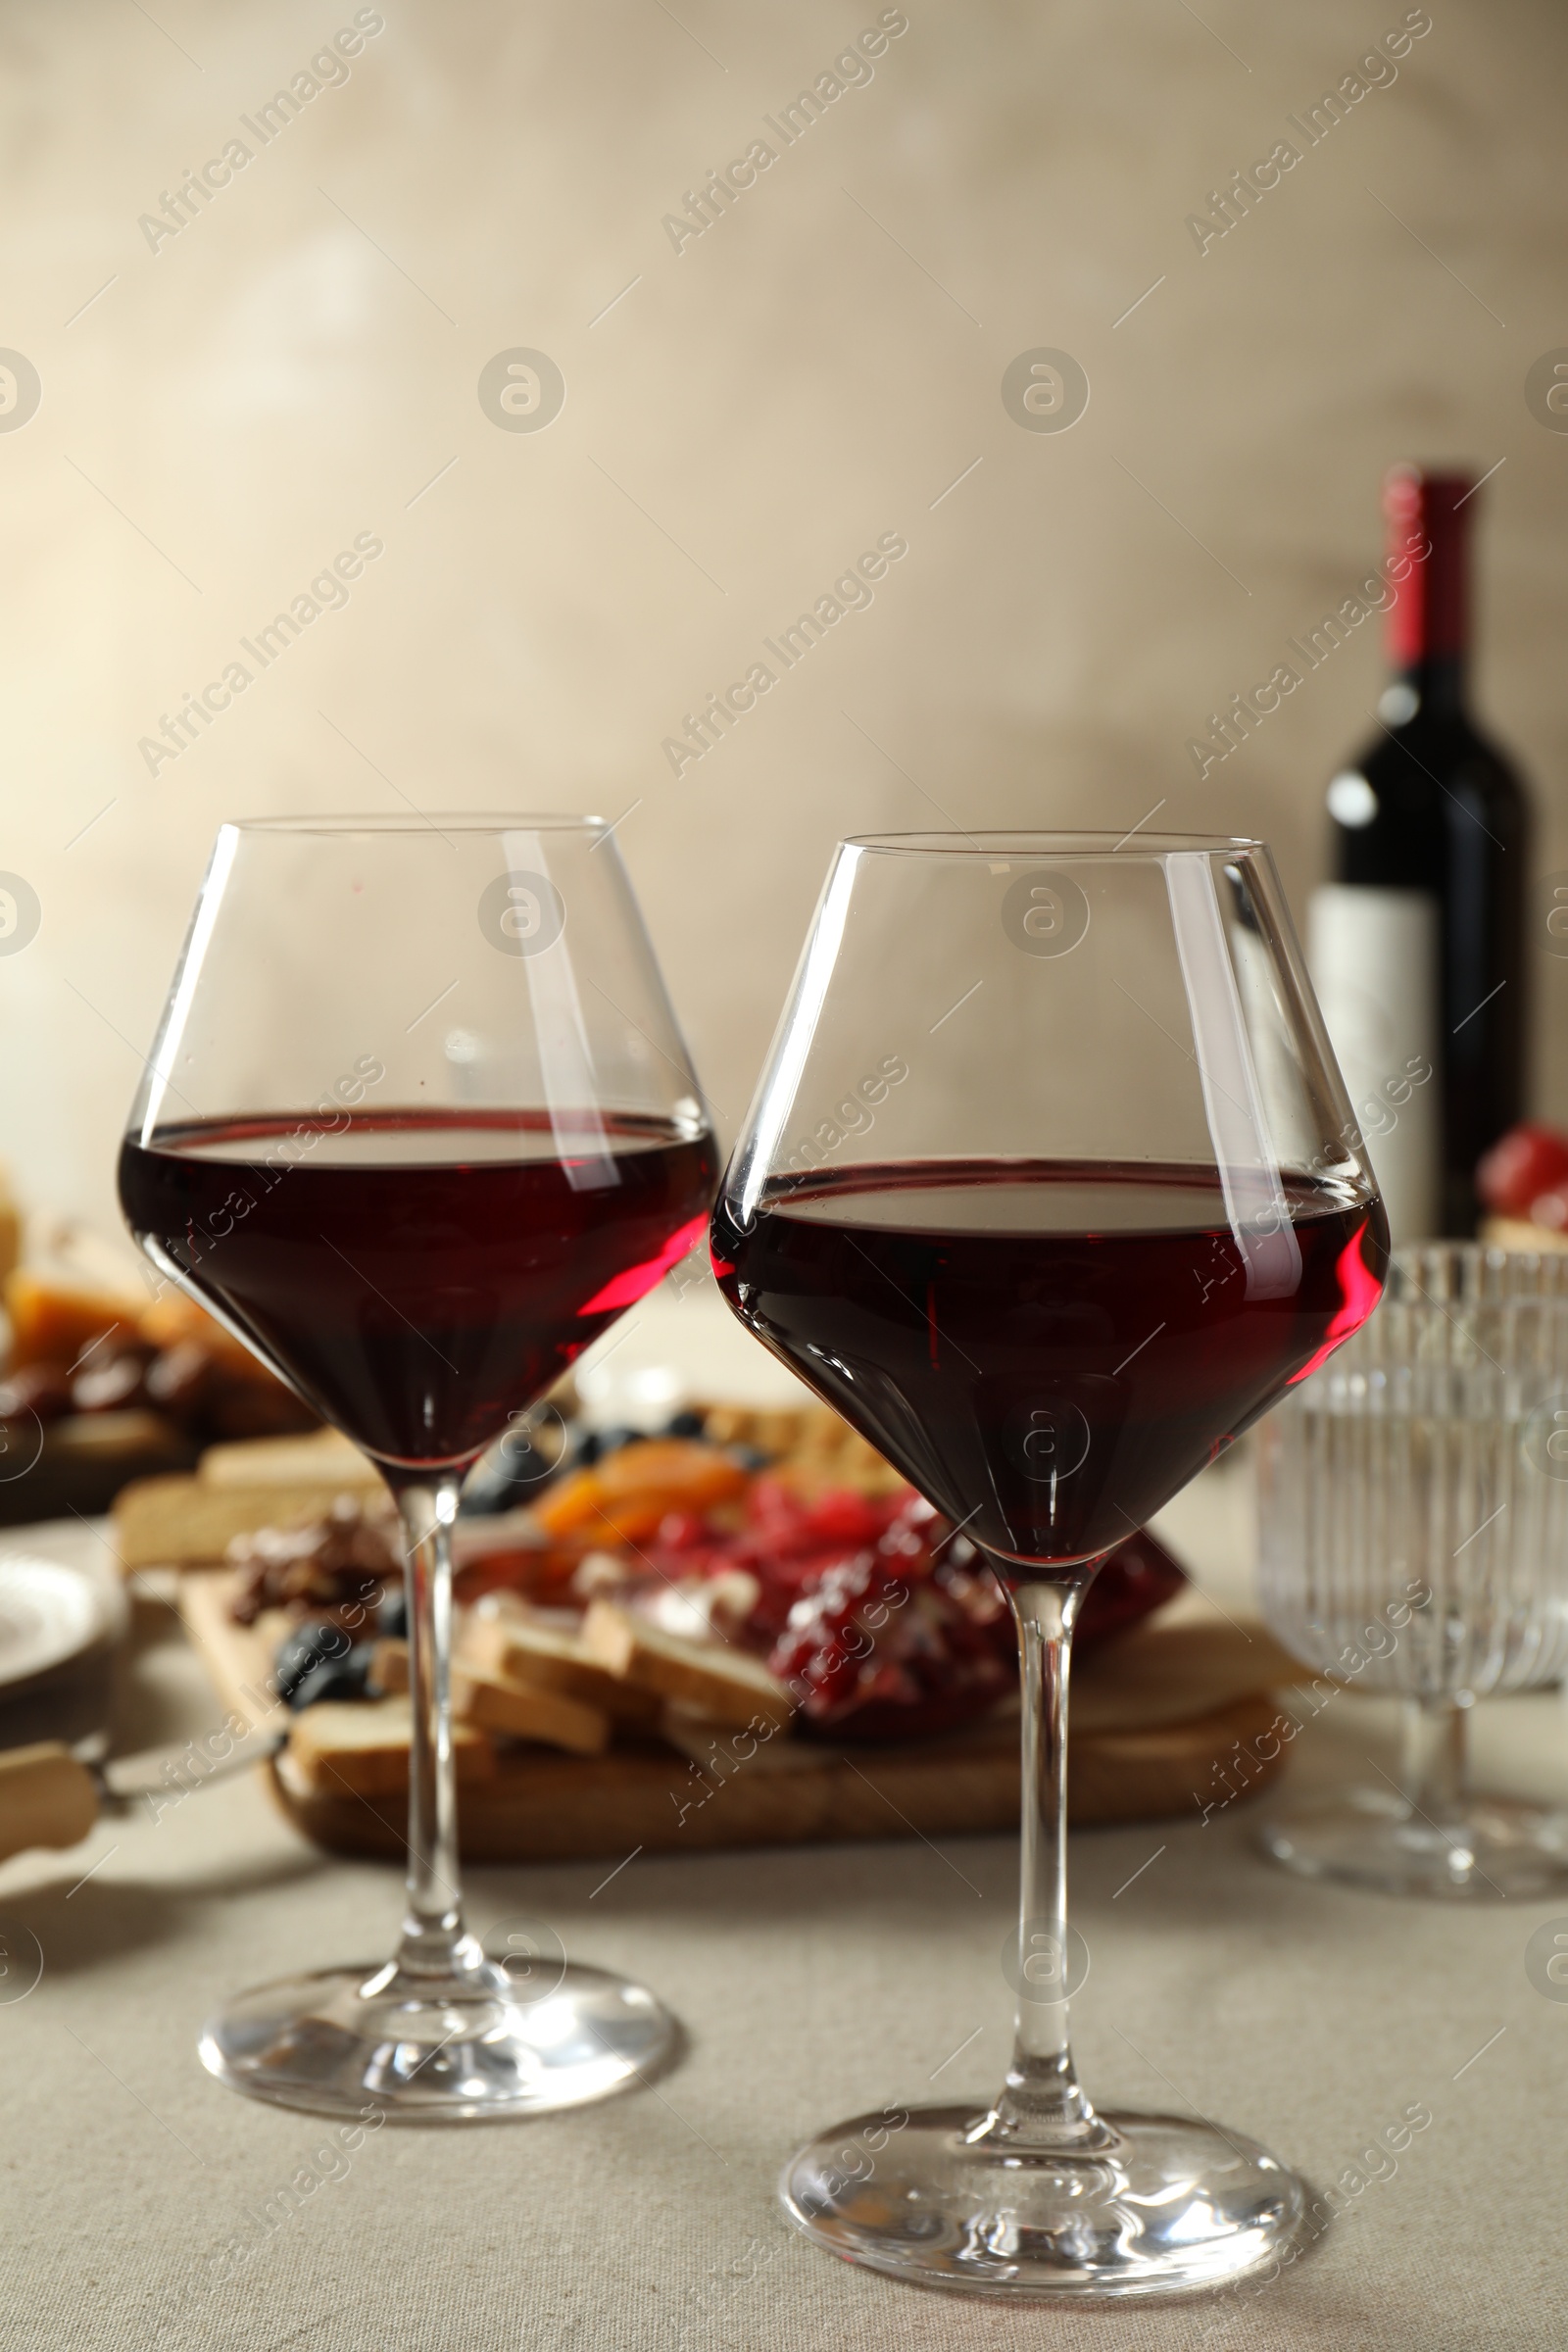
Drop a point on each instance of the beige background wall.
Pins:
(303, 358)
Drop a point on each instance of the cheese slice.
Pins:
(725, 1684)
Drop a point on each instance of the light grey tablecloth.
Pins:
(814, 1984)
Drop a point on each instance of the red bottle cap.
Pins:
(1428, 517)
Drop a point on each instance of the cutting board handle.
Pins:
(46, 1797)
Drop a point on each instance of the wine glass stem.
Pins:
(433, 1941)
(1435, 1761)
(1043, 2105)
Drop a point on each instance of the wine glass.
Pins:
(1049, 1187)
(417, 1126)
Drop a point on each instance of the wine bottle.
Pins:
(1417, 942)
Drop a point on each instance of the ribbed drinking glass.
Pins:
(1414, 1525)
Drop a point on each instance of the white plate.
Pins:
(49, 1614)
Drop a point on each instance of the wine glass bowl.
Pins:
(417, 1126)
(1051, 1187)
(1089, 1336)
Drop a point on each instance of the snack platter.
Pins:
(527, 1803)
(596, 1730)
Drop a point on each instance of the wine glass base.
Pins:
(1168, 2205)
(1372, 1838)
(364, 2043)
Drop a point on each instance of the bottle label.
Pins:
(1374, 960)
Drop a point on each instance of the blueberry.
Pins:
(497, 1484)
(392, 1619)
(516, 1470)
(485, 1490)
(335, 1678)
(317, 1642)
(595, 1443)
(685, 1425)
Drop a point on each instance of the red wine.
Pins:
(1418, 941)
(1048, 1351)
(419, 1276)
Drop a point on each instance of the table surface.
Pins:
(813, 1984)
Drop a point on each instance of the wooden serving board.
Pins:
(1157, 1719)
